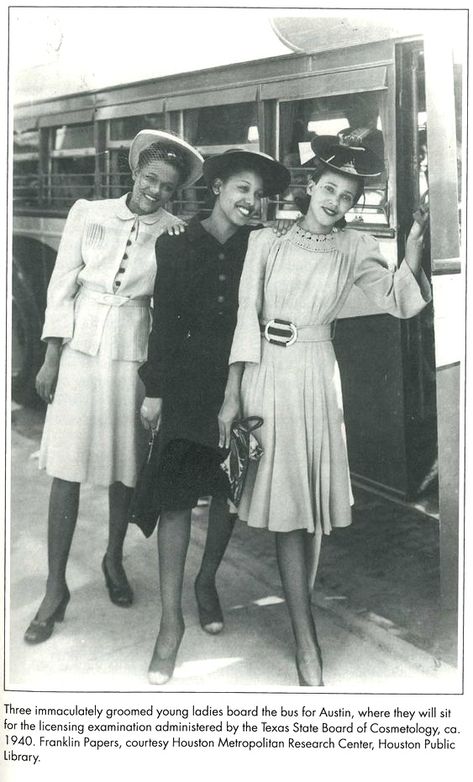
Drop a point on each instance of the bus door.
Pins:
(368, 344)
(417, 333)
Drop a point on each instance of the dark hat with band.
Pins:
(347, 158)
(276, 177)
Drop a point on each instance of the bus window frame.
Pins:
(379, 77)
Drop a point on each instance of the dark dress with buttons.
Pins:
(195, 310)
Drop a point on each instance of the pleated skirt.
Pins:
(93, 433)
(302, 480)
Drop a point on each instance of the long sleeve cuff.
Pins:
(246, 346)
(59, 321)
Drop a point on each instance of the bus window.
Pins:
(26, 167)
(72, 165)
(126, 128)
(120, 133)
(357, 118)
(213, 129)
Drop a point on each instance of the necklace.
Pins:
(316, 242)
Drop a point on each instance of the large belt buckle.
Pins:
(281, 329)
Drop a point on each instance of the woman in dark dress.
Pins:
(195, 306)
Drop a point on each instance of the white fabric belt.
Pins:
(113, 299)
(284, 333)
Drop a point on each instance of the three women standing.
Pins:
(96, 328)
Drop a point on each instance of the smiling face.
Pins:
(239, 196)
(154, 184)
(330, 199)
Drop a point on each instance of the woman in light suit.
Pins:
(96, 328)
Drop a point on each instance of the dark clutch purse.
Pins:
(144, 506)
(244, 448)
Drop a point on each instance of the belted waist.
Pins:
(284, 333)
(113, 299)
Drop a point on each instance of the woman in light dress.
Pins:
(96, 327)
(283, 368)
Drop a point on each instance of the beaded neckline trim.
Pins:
(321, 243)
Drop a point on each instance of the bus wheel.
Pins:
(26, 354)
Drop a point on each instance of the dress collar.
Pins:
(124, 213)
(195, 231)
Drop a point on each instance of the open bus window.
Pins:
(356, 117)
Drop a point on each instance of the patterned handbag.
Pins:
(244, 448)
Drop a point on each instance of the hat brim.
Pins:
(145, 138)
(354, 161)
(276, 177)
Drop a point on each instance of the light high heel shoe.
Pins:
(40, 630)
(161, 668)
(307, 660)
(210, 616)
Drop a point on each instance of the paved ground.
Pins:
(376, 603)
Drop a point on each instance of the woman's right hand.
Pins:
(228, 413)
(46, 378)
(150, 413)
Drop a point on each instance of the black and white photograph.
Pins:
(235, 351)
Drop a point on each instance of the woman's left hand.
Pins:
(228, 413)
(280, 227)
(177, 228)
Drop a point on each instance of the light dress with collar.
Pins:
(302, 480)
(99, 304)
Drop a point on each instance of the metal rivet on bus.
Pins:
(221, 256)
(222, 277)
(221, 299)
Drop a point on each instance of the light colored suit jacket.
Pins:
(101, 238)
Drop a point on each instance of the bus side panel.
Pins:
(370, 358)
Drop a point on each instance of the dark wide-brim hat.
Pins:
(356, 160)
(172, 145)
(275, 176)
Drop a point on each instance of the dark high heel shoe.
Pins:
(160, 668)
(210, 616)
(120, 594)
(303, 682)
(40, 630)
